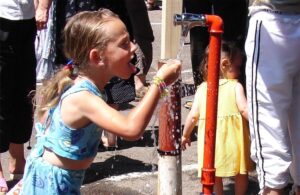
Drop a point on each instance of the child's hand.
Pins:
(185, 141)
(170, 71)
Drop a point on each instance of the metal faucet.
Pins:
(188, 21)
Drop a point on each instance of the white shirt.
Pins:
(17, 9)
(292, 6)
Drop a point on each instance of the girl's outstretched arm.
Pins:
(190, 122)
(84, 107)
(241, 100)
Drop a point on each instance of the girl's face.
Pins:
(119, 51)
(232, 69)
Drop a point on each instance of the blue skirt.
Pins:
(41, 177)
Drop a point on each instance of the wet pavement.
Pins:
(132, 168)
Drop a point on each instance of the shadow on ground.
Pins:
(116, 165)
(149, 139)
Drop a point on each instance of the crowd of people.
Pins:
(92, 56)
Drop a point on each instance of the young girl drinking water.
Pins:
(73, 107)
(232, 155)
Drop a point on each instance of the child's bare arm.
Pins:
(83, 107)
(189, 125)
(190, 122)
(131, 126)
(241, 100)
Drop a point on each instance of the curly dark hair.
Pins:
(228, 48)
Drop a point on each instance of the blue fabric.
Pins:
(43, 178)
(40, 177)
(69, 143)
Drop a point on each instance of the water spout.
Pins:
(188, 21)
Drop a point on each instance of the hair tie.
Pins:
(72, 68)
(69, 66)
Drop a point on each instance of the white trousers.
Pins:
(273, 92)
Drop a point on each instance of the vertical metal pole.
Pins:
(169, 168)
(208, 171)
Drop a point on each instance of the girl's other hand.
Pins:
(41, 14)
(184, 142)
(169, 71)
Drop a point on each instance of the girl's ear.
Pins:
(225, 63)
(95, 57)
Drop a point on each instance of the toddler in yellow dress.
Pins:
(232, 155)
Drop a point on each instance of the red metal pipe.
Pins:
(170, 122)
(215, 25)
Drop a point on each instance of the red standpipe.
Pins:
(215, 25)
(170, 121)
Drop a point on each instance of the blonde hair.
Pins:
(229, 49)
(83, 32)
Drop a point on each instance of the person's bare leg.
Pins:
(109, 139)
(298, 190)
(272, 191)
(17, 159)
(151, 1)
(241, 184)
(139, 81)
(1, 170)
(218, 188)
(2, 189)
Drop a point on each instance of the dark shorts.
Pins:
(119, 91)
(17, 80)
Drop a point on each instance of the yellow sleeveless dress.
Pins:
(232, 155)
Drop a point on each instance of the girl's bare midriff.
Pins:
(66, 163)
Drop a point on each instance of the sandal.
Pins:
(188, 104)
(152, 6)
(16, 177)
(16, 189)
(3, 186)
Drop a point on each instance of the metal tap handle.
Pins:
(190, 19)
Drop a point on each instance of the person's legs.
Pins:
(294, 125)
(241, 184)
(23, 84)
(3, 184)
(269, 97)
(151, 5)
(272, 191)
(5, 92)
(140, 81)
(17, 80)
(218, 188)
(143, 62)
(141, 87)
(143, 35)
(109, 139)
(17, 159)
(199, 36)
